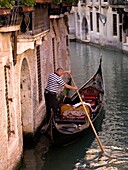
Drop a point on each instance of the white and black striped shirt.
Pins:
(54, 82)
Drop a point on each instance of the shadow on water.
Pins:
(64, 158)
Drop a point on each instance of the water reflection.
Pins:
(96, 160)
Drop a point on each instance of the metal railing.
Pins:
(11, 19)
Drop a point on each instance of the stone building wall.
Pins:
(80, 29)
(10, 151)
(21, 110)
(3, 123)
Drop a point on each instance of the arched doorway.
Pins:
(84, 29)
(78, 25)
(26, 99)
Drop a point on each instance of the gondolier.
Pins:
(73, 122)
(55, 82)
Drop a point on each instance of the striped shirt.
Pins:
(54, 83)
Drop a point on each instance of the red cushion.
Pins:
(94, 97)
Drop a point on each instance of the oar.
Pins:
(97, 137)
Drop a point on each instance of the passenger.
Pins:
(55, 82)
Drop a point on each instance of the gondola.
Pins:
(71, 122)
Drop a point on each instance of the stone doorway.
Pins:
(84, 29)
(26, 100)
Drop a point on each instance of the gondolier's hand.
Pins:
(69, 86)
(76, 88)
(67, 72)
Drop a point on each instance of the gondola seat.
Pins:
(90, 95)
(69, 114)
(68, 111)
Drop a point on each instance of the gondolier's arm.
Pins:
(71, 87)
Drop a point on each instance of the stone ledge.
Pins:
(56, 16)
(10, 28)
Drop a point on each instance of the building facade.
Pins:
(31, 47)
(100, 22)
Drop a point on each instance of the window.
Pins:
(53, 47)
(120, 18)
(120, 31)
(39, 73)
(91, 21)
(97, 20)
(114, 24)
(78, 17)
(67, 43)
(83, 1)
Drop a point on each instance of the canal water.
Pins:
(113, 128)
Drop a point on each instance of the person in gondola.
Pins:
(55, 82)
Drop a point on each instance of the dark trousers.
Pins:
(51, 102)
